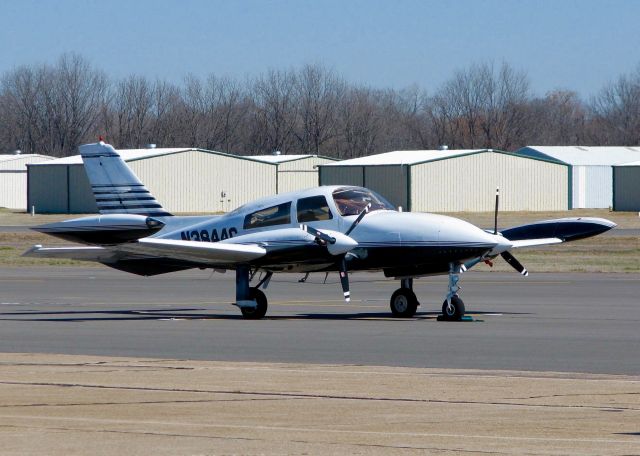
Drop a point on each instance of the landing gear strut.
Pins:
(404, 302)
(453, 307)
(251, 300)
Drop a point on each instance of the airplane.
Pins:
(323, 229)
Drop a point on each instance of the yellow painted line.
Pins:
(21, 280)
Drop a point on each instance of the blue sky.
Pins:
(579, 45)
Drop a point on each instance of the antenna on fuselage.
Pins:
(495, 215)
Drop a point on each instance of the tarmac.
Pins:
(96, 361)
(61, 405)
(546, 322)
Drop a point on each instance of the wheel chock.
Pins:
(464, 318)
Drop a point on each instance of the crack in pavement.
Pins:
(177, 401)
(214, 437)
(319, 396)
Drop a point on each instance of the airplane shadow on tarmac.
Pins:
(186, 314)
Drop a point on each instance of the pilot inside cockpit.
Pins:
(352, 201)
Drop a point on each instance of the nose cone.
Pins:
(422, 229)
(343, 243)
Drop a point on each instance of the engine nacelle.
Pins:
(107, 229)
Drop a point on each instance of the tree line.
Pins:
(52, 109)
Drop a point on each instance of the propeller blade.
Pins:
(335, 242)
(344, 279)
(319, 235)
(359, 219)
(515, 264)
(495, 215)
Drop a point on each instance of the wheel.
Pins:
(403, 303)
(261, 308)
(457, 310)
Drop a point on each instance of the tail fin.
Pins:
(116, 188)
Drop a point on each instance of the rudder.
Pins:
(117, 190)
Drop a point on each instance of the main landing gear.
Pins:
(404, 302)
(251, 300)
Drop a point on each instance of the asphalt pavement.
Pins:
(585, 323)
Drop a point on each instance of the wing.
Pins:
(197, 252)
(535, 242)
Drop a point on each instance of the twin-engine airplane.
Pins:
(322, 229)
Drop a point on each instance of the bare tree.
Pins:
(359, 122)
(274, 112)
(318, 92)
(72, 102)
(616, 110)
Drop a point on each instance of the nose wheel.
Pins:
(454, 310)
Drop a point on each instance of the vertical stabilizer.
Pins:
(116, 188)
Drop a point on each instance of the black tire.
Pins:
(403, 303)
(456, 313)
(261, 309)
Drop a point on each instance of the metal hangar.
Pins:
(457, 180)
(184, 180)
(591, 170)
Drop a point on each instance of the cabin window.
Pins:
(353, 200)
(275, 215)
(313, 209)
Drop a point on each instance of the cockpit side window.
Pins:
(353, 200)
(274, 215)
(313, 209)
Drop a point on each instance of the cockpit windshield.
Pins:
(353, 200)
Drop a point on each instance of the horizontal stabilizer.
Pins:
(98, 254)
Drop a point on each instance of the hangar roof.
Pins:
(583, 155)
(19, 161)
(407, 157)
(635, 163)
(284, 158)
(9, 157)
(137, 154)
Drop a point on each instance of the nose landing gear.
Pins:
(453, 307)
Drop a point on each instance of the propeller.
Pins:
(495, 214)
(339, 244)
(321, 237)
(515, 264)
(358, 219)
(508, 257)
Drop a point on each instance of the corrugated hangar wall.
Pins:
(48, 188)
(191, 181)
(592, 186)
(468, 184)
(388, 180)
(299, 174)
(13, 179)
(463, 183)
(342, 175)
(626, 188)
(194, 181)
